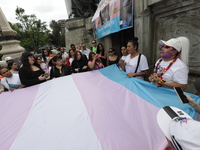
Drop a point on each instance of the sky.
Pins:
(45, 10)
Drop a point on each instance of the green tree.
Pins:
(57, 38)
(32, 32)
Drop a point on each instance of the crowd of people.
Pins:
(171, 70)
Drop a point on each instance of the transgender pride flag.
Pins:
(96, 110)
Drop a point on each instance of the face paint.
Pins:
(167, 56)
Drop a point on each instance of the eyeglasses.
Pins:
(94, 43)
(38, 59)
(110, 51)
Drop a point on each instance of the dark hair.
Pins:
(25, 61)
(10, 65)
(3, 68)
(72, 45)
(55, 58)
(44, 56)
(76, 54)
(70, 51)
(112, 49)
(38, 57)
(90, 56)
(98, 50)
(134, 41)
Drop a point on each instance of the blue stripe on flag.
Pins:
(159, 97)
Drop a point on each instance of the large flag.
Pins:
(96, 110)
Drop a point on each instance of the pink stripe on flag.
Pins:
(121, 119)
(13, 112)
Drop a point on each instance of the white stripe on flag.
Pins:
(58, 120)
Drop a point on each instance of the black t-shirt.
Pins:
(55, 72)
(30, 78)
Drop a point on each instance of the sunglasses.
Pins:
(110, 51)
(167, 47)
(38, 59)
(94, 43)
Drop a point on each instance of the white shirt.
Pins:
(64, 56)
(131, 64)
(178, 72)
(71, 60)
(12, 80)
(124, 57)
(86, 52)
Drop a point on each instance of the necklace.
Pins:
(160, 74)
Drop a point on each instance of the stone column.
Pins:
(10, 46)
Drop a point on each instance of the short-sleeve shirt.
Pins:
(131, 64)
(178, 72)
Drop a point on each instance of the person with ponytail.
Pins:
(135, 63)
(171, 69)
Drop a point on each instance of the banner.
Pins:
(112, 16)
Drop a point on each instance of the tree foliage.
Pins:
(57, 38)
(32, 32)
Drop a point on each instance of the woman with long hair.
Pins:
(136, 63)
(70, 59)
(113, 58)
(94, 62)
(171, 69)
(42, 65)
(102, 52)
(45, 56)
(31, 73)
(79, 63)
(13, 67)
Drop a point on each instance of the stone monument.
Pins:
(10, 46)
(83, 8)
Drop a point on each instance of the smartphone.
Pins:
(180, 94)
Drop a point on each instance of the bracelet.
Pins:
(160, 83)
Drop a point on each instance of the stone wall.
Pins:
(79, 31)
(164, 19)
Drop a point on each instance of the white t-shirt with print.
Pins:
(131, 64)
(178, 72)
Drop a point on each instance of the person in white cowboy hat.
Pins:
(170, 70)
(181, 131)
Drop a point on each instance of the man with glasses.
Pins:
(85, 51)
(94, 46)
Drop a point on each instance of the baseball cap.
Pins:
(181, 44)
(55, 58)
(179, 128)
(172, 42)
(8, 58)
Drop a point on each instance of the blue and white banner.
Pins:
(112, 16)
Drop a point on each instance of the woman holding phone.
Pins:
(31, 73)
